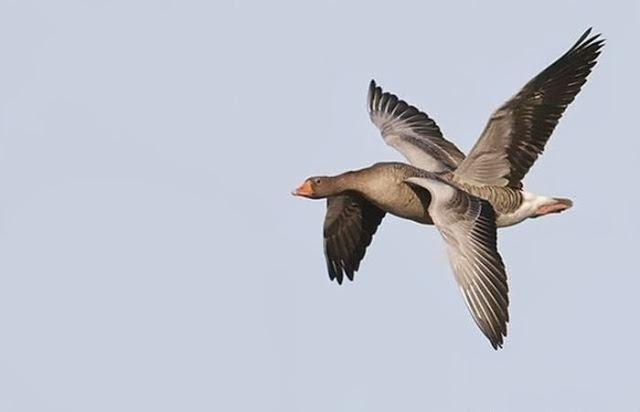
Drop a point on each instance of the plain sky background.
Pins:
(153, 259)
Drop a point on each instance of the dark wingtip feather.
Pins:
(371, 95)
(349, 274)
(334, 273)
(585, 41)
(582, 38)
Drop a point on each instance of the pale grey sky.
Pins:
(152, 258)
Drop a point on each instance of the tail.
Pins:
(568, 203)
(556, 205)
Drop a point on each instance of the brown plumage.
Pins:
(518, 131)
(349, 226)
(465, 198)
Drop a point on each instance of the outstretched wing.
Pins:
(349, 226)
(411, 132)
(517, 132)
(467, 224)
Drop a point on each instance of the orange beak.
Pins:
(304, 190)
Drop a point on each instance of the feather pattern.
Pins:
(467, 224)
(349, 226)
(411, 132)
(518, 131)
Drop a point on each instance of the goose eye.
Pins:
(316, 181)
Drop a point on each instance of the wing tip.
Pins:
(339, 276)
(497, 339)
(370, 95)
(497, 344)
(339, 270)
(373, 95)
(586, 40)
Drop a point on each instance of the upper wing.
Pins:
(518, 131)
(411, 132)
(467, 224)
(349, 226)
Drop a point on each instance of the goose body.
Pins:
(385, 185)
(466, 197)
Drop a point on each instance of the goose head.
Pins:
(317, 187)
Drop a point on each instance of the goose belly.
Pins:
(510, 219)
(401, 201)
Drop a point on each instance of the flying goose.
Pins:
(466, 198)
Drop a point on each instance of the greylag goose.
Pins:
(466, 198)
